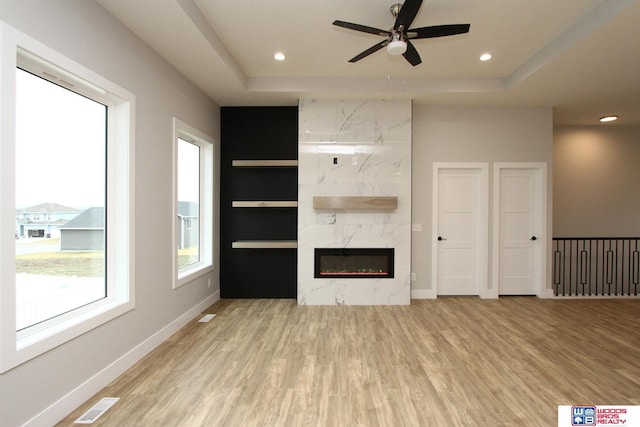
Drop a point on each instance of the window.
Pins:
(188, 203)
(193, 182)
(55, 127)
(67, 140)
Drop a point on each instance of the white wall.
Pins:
(470, 134)
(64, 377)
(596, 179)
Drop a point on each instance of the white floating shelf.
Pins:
(264, 244)
(355, 202)
(264, 163)
(264, 204)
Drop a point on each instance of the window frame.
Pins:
(18, 49)
(182, 276)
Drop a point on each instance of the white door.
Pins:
(521, 233)
(460, 228)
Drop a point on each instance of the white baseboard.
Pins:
(547, 293)
(489, 294)
(69, 402)
(423, 294)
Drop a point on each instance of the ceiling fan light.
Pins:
(397, 47)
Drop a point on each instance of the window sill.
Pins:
(191, 274)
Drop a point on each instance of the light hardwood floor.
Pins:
(445, 362)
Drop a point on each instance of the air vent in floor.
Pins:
(97, 410)
(206, 318)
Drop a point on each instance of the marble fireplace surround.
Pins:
(354, 191)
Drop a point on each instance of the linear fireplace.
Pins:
(353, 263)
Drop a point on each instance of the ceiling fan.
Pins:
(398, 39)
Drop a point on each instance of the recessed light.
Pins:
(485, 56)
(608, 119)
(279, 56)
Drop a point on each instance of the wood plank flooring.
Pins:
(445, 362)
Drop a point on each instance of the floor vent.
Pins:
(97, 410)
(206, 318)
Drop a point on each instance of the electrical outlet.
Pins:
(413, 277)
(416, 227)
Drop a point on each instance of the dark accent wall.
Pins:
(258, 133)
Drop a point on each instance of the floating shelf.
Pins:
(355, 202)
(264, 244)
(264, 204)
(264, 163)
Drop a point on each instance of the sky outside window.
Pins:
(60, 149)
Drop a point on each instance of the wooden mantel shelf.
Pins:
(355, 202)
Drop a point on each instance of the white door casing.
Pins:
(519, 248)
(460, 226)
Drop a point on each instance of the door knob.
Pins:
(440, 238)
(534, 238)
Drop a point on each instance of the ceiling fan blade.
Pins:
(438, 31)
(407, 13)
(369, 51)
(362, 28)
(411, 55)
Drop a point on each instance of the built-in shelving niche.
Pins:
(258, 202)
